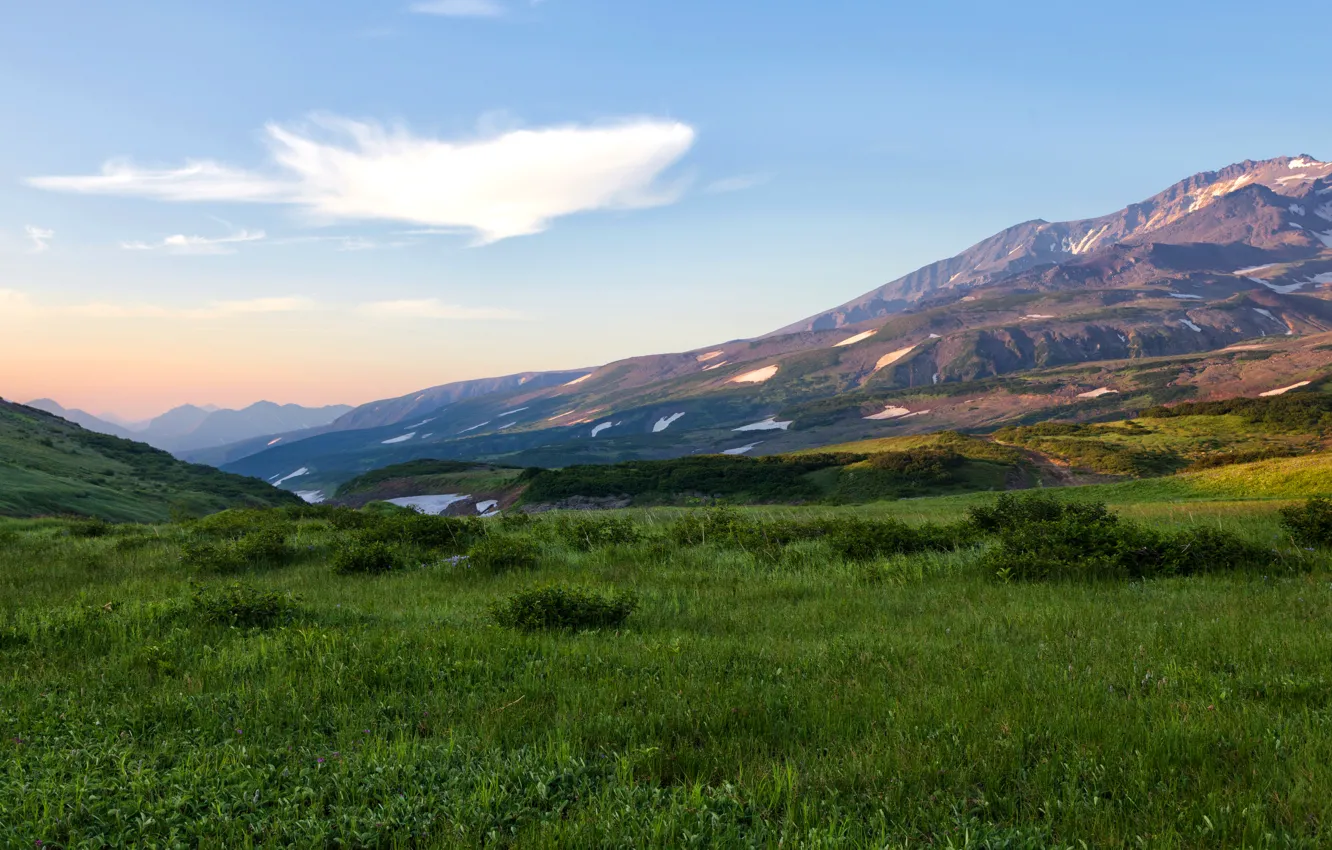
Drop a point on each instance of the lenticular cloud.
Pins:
(508, 185)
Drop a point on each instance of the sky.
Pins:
(337, 202)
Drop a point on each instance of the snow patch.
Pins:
(579, 380)
(275, 442)
(935, 336)
(311, 497)
(890, 412)
(741, 450)
(1097, 393)
(505, 425)
(860, 337)
(1324, 212)
(487, 506)
(1037, 316)
(297, 474)
(429, 505)
(419, 424)
(1260, 311)
(512, 412)
(665, 422)
(715, 366)
(1281, 288)
(404, 438)
(1284, 390)
(769, 424)
(474, 427)
(757, 376)
(1255, 269)
(602, 427)
(1301, 162)
(1325, 238)
(1297, 209)
(1190, 325)
(1183, 296)
(711, 355)
(892, 357)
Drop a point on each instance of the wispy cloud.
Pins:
(432, 308)
(738, 183)
(40, 237)
(509, 184)
(459, 8)
(17, 305)
(182, 244)
(20, 305)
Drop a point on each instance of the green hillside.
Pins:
(49, 466)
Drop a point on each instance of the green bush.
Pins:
(499, 553)
(90, 528)
(1091, 543)
(557, 608)
(266, 547)
(1309, 524)
(923, 466)
(1011, 511)
(450, 534)
(594, 532)
(243, 606)
(366, 556)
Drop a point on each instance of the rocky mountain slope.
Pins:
(1220, 285)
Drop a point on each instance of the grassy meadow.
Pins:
(336, 678)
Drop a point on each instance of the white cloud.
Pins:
(432, 308)
(459, 8)
(738, 183)
(40, 238)
(16, 304)
(182, 244)
(511, 184)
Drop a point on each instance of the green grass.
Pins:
(49, 466)
(748, 702)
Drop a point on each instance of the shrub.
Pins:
(1012, 512)
(499, 553)
(243, 606)
(93, 527)
(366, 556)
(593, 532)
(263, 548)
(563, 608)
(451, 534)
(1309, 524)
(1091, 543)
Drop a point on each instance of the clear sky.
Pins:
(341, 201)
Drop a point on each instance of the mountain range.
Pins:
(190, 427)
(1219, 285)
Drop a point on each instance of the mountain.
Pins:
(190, 428)
(1290, 215)
(81, 418)
(49, 465)
(1221, 285)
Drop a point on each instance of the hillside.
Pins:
(1220, 286)
(51, 466)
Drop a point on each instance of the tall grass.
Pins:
(752, 699)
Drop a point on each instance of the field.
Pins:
(806, 693)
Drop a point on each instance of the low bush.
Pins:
(1092, 543)
(366, 556)
(1309, 524)
(500, 553)
(266, 547)
(594, 532)
(90, 528)
(557, 608)
(1011, 511)
(243, 606)
(850, 538)
(448, 534)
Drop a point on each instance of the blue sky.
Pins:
(338, 201)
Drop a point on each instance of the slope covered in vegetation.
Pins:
(49, 466)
